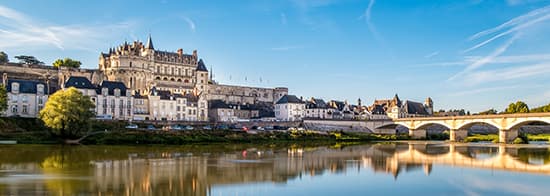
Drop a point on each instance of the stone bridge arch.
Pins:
(469, 123)
(523, 122)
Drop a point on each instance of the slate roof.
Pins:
(215, 104)
(201, 66)
(411, 107)
(339, 104)
(149, 44)
(79, 82)
(111, 86)
(316, 103)
(26, 86)
(289, 99)
(378, 109)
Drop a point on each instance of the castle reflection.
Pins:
(32, 170)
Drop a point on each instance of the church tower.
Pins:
(429, 105)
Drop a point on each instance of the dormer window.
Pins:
(15, 87)
(40, 89)
(104, 91)
(117, 92)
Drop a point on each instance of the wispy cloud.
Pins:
(367, 16)
(507, 73)
(428, 56)
(485, 60)
(283, 19)
(514, 29)
(484, 90)
(190, 23)
(285, 48)
(18, 29)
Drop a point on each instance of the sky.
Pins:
(467, 54)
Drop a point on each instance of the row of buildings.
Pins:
(135, 81)
(292, 108)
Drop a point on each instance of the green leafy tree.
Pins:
(489, 111)
(28, 60)
(544, 108)
(68, 113)
(518, 107)
(3, 98)
(67, 62)
(3, 57)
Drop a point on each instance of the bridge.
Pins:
(507, 124)
(503, 160)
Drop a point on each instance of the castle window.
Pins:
(186, 81)
(14, 109)
(158, 78)
(117, 92)
(40, 89)
(172, 73)
(15, 87)
(25, 110)
(158, 69)
(179, 71)
(130, 63)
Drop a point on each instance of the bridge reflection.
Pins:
(191, 172)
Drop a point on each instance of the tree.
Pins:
(68, 113)
(489, 111)
(28, 60)
(3, 98)
(67, 62)
(3, 57)
(544, 108)
(518, 107)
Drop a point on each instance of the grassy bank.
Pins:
(482, 138)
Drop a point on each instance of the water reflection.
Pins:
(195, 170)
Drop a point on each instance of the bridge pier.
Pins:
(417, 133)
(507, 135)
(457, 135)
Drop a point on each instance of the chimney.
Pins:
(180, 51)
(5, 79)
(195, 53)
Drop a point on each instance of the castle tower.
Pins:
(202, 76)
(429, 105)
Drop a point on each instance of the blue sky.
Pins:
(464, 54)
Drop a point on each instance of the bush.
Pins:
(519, 140)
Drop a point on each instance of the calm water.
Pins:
(373, 169)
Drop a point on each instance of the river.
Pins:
(412, 168)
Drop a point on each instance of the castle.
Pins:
(151, 77)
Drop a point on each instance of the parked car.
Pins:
(151, 127)
(189, 127)
(131, 126)
(222, 127)
(207, 127)
(260, 128)
(176, 127)
(269, 128)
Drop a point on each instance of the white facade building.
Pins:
(290, 108)
(25, 98)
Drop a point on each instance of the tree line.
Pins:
(518, 107)
(31, 60)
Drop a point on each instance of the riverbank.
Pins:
(203, 136)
